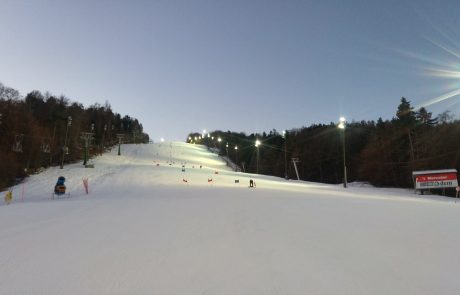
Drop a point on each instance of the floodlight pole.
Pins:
(344, 162)
(86, 136)
(294, 162)
(285, 155)
(64, 150)
(342, 125)
(285, 161)
(219, 140)
(257, 160)
(103, 138)
(120, 137)
(236, 158)
(226, 148)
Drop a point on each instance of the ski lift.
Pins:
(90, 164)
(46, 146)
(17, 145)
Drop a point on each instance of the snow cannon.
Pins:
(59, 188)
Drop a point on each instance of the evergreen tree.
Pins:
(405, 114)
(425, 117)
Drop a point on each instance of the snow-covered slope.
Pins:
(143, 230)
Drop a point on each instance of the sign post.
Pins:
(456, 195)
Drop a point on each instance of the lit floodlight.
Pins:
(342, 123)
(162, 139)
(212, 138)
(189, 138)
(209, 135)
(204, 131)
(236, 147)
(257, 146)
(226, 145)
(219, 139)
(196, 138)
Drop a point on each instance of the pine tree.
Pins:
(425, 117)
(405, 114)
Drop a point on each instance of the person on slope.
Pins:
(59, 188)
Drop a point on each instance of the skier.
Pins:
(59, 188)
(252, 183)
(8, 197)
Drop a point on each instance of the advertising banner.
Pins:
(436, 180)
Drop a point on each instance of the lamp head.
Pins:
(342, 123)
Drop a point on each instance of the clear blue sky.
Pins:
(251, 66)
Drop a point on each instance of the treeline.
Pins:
(383, 153)
(41, 130)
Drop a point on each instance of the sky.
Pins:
(240, 65)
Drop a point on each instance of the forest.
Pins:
(42, 130)
(383, 153)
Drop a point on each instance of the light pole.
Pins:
(64, 149)
(120, 137)
(111, 134)
(236, 158)
(257, 163)
(87, 136)
(219, 140)
(103, 137)
(285, 155)
(342, 125)
(226, 149)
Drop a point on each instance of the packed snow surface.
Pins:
(143, 230)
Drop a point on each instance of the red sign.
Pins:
(436, 177)
(438, 180)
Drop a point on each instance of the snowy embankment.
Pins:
(143, 230)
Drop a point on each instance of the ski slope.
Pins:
(143, 230)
